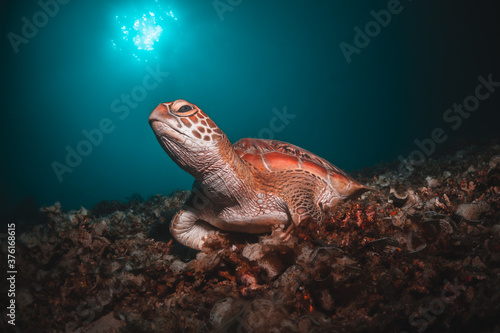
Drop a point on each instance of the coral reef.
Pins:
(419, 253)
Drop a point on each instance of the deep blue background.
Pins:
(263, 55)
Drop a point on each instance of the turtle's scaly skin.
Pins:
(250, 186)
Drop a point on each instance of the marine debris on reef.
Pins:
(419, 253)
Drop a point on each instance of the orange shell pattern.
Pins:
(273, 155)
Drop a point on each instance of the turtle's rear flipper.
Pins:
(303, 206)
(301, 210)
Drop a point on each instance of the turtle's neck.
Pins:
(226, 178)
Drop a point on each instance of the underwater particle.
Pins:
(472, 211)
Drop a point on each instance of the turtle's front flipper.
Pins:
(189, 230)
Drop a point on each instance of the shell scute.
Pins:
(284, 156)
(315, 168)
(279, 161)
(275, 156)
(340, 182)
(253, 159)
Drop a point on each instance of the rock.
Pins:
(253, 252)
(220, 311)
(205, 261)
(272, 265)
(431, 182)
(107, 323)
(477, 263)
(494, 162)
(178, 267)
(55, 209)
(25, 298)
(472, 211)
(390, 252)
(396, 199)
(383, 181)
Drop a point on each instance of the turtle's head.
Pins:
(188, 135)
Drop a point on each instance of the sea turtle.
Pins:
(251, 186)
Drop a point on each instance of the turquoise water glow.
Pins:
(80, 79)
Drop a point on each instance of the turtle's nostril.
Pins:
(168, 106)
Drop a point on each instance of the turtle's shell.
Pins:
(273, 155)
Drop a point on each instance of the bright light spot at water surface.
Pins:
(141, 31)
(146, 33)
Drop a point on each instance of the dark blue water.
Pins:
(76, 95)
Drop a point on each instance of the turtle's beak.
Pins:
(160, 113)
(163, 123)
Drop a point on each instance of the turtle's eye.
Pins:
(181, 108)
(184, 109)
